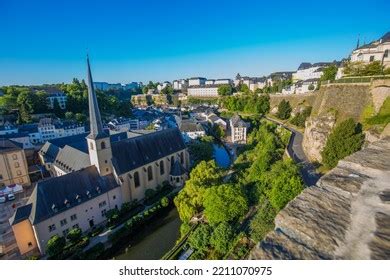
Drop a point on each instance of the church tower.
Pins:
(99, 145)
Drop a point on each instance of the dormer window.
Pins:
(67, 203)
(78, 198)
(103, 145)
(88, 194)
(98, 190)
(54, 208)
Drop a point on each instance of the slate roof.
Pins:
(7, 145)
(71, 159)
(384, 38)
(49, 151)
(58, 194)
(237, 121)
(189, 126)
(177, 169)
(138, 151)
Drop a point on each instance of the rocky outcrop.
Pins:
(317, 130)
(346, 215)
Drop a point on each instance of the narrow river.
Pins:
(156, 240)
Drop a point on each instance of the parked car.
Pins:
(11, 196)
(2, 199)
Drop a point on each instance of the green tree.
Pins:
(262, 222)
(189, 201)
(224, 90)
(284, 182)
(69, 115)
(284, 110)
(221, 237)
(57, 110)
(200, 238)
(164, 201)
(55, 245)
(25, 102)
(201, 150)
(244, 88)
(345, 139)
(81, 118)
(300, 118)
(224, 203)
(74, 235)
(329, 73)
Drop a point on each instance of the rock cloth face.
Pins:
(346, 215)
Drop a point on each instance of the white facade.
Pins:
(196, 81)
(375, 51)
(49, 129)
(180, 84)
(211, 91)
(60, 97)
(308, 73)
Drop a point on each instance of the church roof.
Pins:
(137, 151)
(177, 169)
(94, 112)
(58, 194)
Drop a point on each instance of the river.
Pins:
(155, 241)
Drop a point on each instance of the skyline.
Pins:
(167, 41)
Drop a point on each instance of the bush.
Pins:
(94, 252)
(221, 237)
(164, 201)
(200, 238)
(345, 139)
(55, 245)
(74, 235)
(262, 222)
(300, 118)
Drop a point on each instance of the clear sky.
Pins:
(46, 41)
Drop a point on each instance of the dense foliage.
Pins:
(362, 69)
(329, 73)
(224, 90)
(222, 237)
(300, 118)
(55, 245)
(284, 110)
(247, 103)
(345, 139)
(201, 149)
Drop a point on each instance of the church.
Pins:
(93, 174)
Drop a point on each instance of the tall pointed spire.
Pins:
(94, 113)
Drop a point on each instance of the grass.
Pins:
(379, 120)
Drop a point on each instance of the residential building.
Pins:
(214, 119)
(238, 130)
(132, 86)
(124, 124)
(377, 50)
(163, 85)
(308, 71)
(301, 87)
(96, 175)
(58, 96)
(8, 128)
(253, 83)
(197, 81)
(181, 84)
(203, 91)
(50, 128)
(13, 164)
(107, 86)
(191, 130)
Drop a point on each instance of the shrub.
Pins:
(55, 245)
(200, 238)
(345, 139)
(164, 201)
(262, 222)
(149, 193)
(284, 110)
(221, 237)
(74, 235)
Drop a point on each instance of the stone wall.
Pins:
(294, 99)
(345, 216)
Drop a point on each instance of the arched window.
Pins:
(162, 171)
(136, 179)
(181, 158)
(103, 145)
(150, 173)
(91, 146)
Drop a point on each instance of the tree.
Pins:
(311, 87)
(201, 150)
(262, 222)
(300, 118)
(168, 90)
(221, 237)
(284, 110)
(224, 90)
(244, 88)
(69, 115)
(55, 245)
(345, 139)
(224, 203)
(189, 201)
(329, 73)
(81, 118)
(164, 201)
(57, 110)
(200, 238)
(284, 183)
(25, 102)
(74, 235)
(145, 90)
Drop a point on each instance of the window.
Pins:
(136, 179)
(19, 172)
(104, 211)
(103, 145)
(181, 158)
(16, 164)
(29, 244)
(162, 171)
(172, 160)
(371, 58)
(386, 54)
(52, 227)
(14, 156)
(91, 146)
(73, 217)
(102, 204)
(76, 226)
(114, 197)
(1, 177)
(63, 222)
(65, 232)
(150, 173)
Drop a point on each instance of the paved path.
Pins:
(308, 170)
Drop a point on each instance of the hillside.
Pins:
(345, 216)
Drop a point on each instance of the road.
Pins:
(295, 149)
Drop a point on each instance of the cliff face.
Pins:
(317, 130)
(345, 216)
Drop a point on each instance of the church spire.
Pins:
(95, 120)
(358, 42)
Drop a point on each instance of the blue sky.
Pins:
(46, 41)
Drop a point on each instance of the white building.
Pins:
(180, 84)
(124, 124)
(49, 128)
(238, 130)
(307, 71)
(163, 85)
(191, 130)
(203, 91)
(377, 50)
(197, 81)
(59, 96)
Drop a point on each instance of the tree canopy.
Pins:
(329, 73)
(222, 237)
(345, 139)
(224, 90)
(284, 110)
